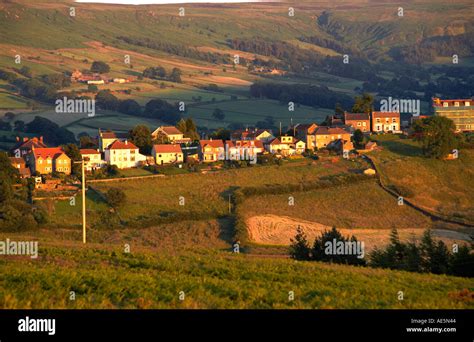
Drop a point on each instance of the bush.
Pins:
(115, 197)
(429, 256)
(299, 247)
(326, 248)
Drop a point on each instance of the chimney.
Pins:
(126, 142)
(17, 138)
(25, 139)
(41, 139)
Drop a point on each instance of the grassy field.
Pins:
(437, 185)
(102, 276)
(208, 193)
(362, 205)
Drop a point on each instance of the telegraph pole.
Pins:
(83, 203)
(83, 183)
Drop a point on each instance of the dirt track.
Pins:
(278, 230)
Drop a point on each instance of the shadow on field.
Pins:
(226, 227)
(402, 149)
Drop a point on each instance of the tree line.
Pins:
(178, 50)
(305, 94)
(427, 256)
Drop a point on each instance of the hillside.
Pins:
(102, 276)
(201, 43)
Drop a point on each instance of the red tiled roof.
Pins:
(306, 127)
(50, 152)
(356, 116)
(245, 143)
(213, 143)
(37, 143)
(170, 130)
(275, 141)
(167, 148)
(324, 130)
(89, 151)
(119, 145)
(108, 135)
(385, 114)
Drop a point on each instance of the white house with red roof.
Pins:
(92, 159)
(286, 145)
(243, 149)
(167, 154)
(211, 150)
(124, 155)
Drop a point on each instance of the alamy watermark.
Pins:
(238, 153)
(400, 105)
(9, 247)
(337, 247)
(74, 106)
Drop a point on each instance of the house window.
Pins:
(467, 103)
(377, 120)
(359, 124)
(159, 156)
(456, 104)
(445, 104)
(394, 120)
(364, 124)
(60, 169)
(40, 161)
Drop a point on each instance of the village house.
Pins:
(124, 155)
(460, 111)
(356, 121)
(92, 159)
(167, 154)
(286, 145)
(171, 134)
(242, 149)
(211, 150)
(305, 133)
(95, 78)
(120, 80)
(384, 122)
(295, 146)
(106, 138)
(341, 146)
(20, 165)
(276, 146)
(23, 147)
(325, 135)
(48, 160)
(263, 135)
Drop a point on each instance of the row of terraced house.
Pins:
(31, 155)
